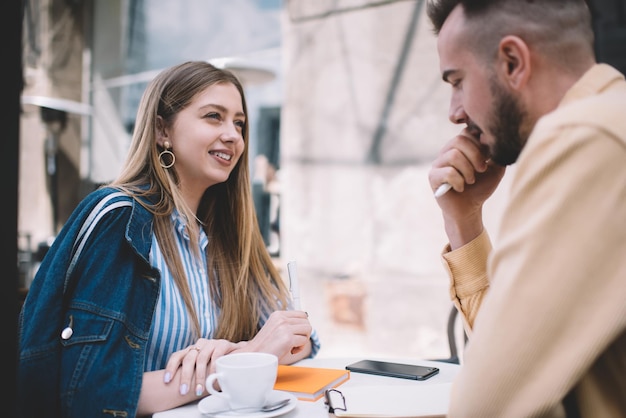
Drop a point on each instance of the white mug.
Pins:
(246, 379)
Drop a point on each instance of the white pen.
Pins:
(443, 189)
(294, 286)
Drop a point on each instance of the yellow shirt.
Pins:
(546, 308)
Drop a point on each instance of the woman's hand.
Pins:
(464, 164)
(196, 362)
(286, 334)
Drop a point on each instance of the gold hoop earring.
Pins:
(166, 153)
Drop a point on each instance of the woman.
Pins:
(158, 274)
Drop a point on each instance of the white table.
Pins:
(317, 409)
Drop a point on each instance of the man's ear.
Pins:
(514, 61)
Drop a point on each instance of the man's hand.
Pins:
(464, 164)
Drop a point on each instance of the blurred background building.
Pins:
(347, 110)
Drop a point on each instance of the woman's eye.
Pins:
(240, 124)
(213, 115)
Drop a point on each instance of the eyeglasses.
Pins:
(333, 399)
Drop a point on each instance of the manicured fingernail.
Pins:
(199, 390)
(184, 389)
(167, 377)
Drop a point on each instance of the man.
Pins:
(546, 308)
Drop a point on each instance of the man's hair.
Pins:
(439, 10)
(560, 29)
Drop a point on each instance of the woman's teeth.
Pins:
(221, 155)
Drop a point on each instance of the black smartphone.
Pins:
(385, 368)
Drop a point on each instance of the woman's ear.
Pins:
(161, 131)
(514, 61)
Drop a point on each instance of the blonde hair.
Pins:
(242, 277)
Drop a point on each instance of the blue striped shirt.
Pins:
(172, 326)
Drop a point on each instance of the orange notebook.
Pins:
(309, 383)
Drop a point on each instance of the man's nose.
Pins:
(456, 113)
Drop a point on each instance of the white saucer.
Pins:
(211, 404)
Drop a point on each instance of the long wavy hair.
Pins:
(242, 277)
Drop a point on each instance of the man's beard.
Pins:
(507, 117)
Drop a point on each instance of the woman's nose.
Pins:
(231, 134)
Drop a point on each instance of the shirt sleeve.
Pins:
(315, 344)
(467, 269)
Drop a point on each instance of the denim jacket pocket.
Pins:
(84, 346)
(85, 327)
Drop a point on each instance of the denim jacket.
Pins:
(85, 323)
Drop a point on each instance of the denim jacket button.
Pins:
(67, 333)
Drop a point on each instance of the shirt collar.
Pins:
(180, 226)
(596, 79)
